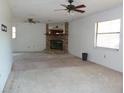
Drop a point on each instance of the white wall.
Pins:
(30, 37)
(81, 39)
(5, 48)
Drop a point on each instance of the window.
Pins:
(108, 34)
(13, 32)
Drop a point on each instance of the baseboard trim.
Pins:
(27, 51)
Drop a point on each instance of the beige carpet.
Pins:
(46, 73)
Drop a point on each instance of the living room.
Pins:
(42, 45)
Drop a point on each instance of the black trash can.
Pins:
(84, 56)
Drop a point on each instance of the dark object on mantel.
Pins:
(53, 31)
(84, 56)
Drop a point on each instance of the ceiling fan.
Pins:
(32, 21)
(72, 7)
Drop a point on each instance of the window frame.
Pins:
(97, 33)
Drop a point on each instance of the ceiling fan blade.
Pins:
(81, 11)
(59, 9)
(80, 6)
(64, 5)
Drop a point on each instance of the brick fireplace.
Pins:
(57, 37)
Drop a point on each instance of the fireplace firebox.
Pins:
(56, 44)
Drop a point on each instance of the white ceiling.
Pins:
(44, 10)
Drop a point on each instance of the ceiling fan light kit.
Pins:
(31, 20)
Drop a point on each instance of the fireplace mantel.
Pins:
(47, 34)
